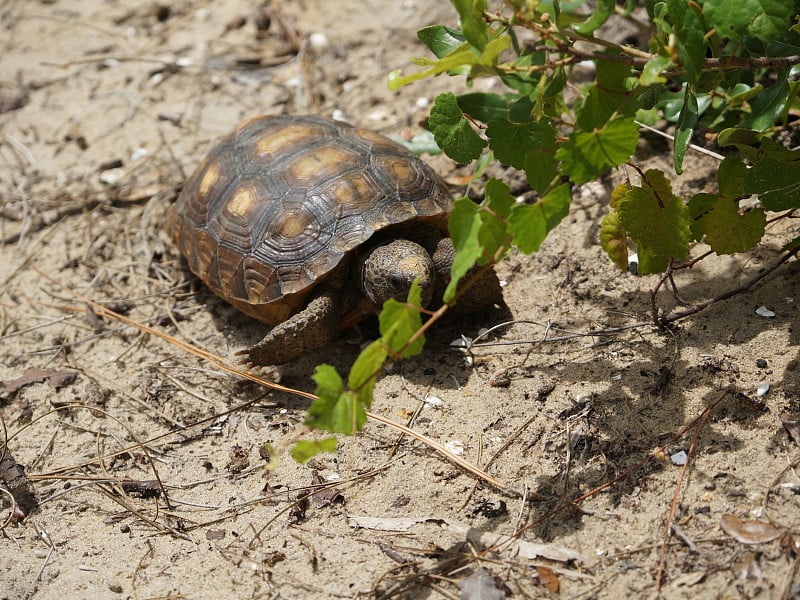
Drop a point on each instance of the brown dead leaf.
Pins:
(57, 379)
(548, 578)
(748, 532)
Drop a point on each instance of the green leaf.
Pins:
(335, 409)
(470, 13)
(452, 131)
(651, 74)
(657, 221)
(699, 206)
(614, 240)
(463, 56)
(731, 176)
(478, 231)
(587, 155)
(768, 106)
(483, 106)
(400, 320)
(609, 95)
(529, 224)
(728, 232)
(365, 369)
(689, 36)
(512, 142)
(602, 12)
(464, 226)
(765, 20)
(683, 132)
(776, 183)
(441, 40)
(305, 450)
(541, 168)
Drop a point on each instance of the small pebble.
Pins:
(763, 311)
(433, 401)
(762, 389)
(679, 458)
(761, 363)
(455, 446)
(318, 41)
(139, 153)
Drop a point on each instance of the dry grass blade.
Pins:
(217, 361)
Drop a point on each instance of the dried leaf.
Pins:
(748, 532)
(57, 379)
(549, 579)
(480, 586)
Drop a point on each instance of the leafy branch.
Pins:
(730, 74)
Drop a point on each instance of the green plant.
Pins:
(727, 69)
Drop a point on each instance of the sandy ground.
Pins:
(105, 107)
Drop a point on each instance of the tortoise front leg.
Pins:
(304, 332)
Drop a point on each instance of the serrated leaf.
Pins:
(652, 72)
(512, 142)
(441, 40)
(305, 450)
(587, 155)
(400, 320)
(657, 221)
(685, 127)
(493, 212)
(618, 195)
(602, 12)
(727, 231)
(335, 409)
(470, 13)
(498, 200)
(765, 20)
(541, 168)
(614, 240)
(364, 371)
(529, 224)
(452, 131)
(464, 226)
(483, 106)
(699, 205)
(776, 183)
(731, 176)
(609, 95)
(478, 231)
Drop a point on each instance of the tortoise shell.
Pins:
(278, 204)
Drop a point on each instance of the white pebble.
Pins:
(763, 311)
(763, 388)
(433, 401)
(455, 446)
(679, 458)
(318, 41)
(422, 102)
(139, 153)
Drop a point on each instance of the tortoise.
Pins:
(308, 224)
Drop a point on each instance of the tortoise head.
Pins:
(388, 270)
